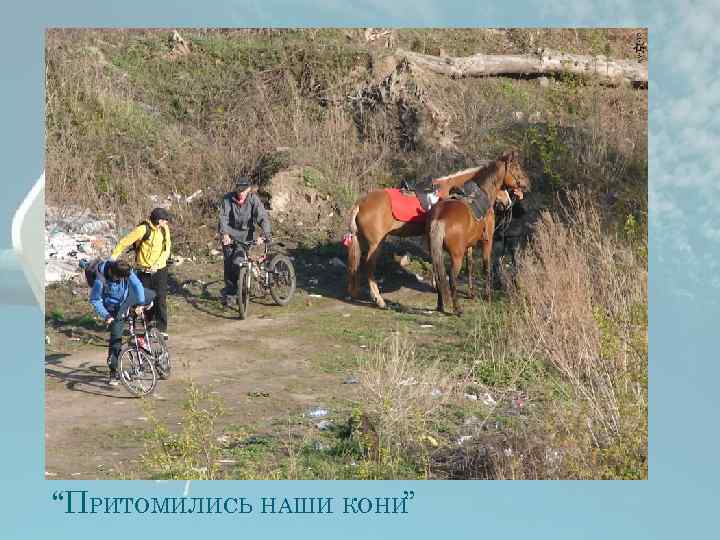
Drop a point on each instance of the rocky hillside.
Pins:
(137, 118)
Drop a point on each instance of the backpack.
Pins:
(92, 271)
(148, 231)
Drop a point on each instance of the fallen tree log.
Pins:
(545, 62)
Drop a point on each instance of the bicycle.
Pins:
(144, 359)
(273, 273)
(160, 352)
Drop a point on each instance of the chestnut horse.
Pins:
(452, 226)
(371, 220)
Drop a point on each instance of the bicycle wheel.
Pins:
(243, 294)
(136, 371)
(160, 353)
(282, 279)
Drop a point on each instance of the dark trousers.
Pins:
(511, 245)
(230, 269)
(118, 325)
(158, 282)
(505, 248)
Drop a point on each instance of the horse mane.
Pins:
(459, 178)
(486, 179)
(484, 175)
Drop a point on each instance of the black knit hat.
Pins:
(242, 183)
(160, 213)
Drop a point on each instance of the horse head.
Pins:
(514, 177)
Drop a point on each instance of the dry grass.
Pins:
(581, 299)
(404, 399)
(560, 373)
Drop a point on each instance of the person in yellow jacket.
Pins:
(151, 240)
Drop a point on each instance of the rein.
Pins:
(502, 224)
(505, 216)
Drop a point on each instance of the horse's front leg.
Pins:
(471, 280)
(487, 262)
(456, 266)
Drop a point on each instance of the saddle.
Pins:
(475, 198)
(423, 189)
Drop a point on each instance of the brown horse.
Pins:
(371, 220)
(453, 227)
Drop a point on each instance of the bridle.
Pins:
(508, 172)
(505, 216)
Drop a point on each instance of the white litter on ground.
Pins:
(72, 234)
(487, 399)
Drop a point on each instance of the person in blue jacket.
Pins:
(116, 289)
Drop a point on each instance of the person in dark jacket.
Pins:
(509, 235)
(242, 218)
(115, 290)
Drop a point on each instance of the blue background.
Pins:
(681, 495)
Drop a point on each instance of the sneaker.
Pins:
(227, 297)
(113, 379)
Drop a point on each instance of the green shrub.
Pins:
(191, 453)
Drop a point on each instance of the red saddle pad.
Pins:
(405, 207)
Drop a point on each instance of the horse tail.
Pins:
(437, 238)
(352, 225)
(354, 254)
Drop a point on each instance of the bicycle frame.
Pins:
(131, 317)
(264, 269)
(254, 264)
(136, 362)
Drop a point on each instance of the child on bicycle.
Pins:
(241, 213)
(115, 290)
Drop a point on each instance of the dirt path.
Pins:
(299, 355)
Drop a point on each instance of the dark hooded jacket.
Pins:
(240, 221)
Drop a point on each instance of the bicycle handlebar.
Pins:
(132, 308)
(254, 243)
